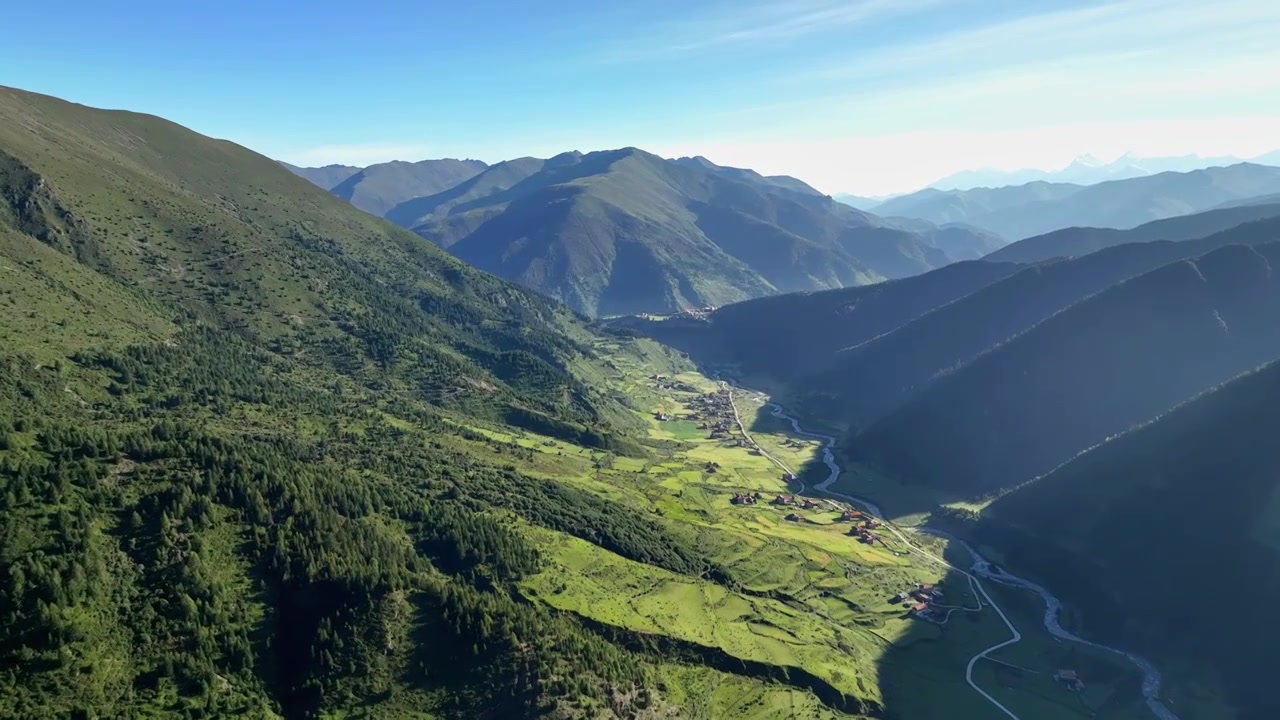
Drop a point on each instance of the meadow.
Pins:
(804, 595)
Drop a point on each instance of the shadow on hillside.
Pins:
(895, 499)
(922, 672)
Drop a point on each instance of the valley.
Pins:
(266, 453)
(806, 557)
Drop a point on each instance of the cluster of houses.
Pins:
(922, 602)
(1070, 679)
(663, 382)
(864, 525)
(699, 313)
(746, 498)
(805, 503)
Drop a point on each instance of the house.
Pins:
(919, 610)
(850, 515)
(743, 499)
(793, 517)
(1070, 679)
(810, 503)
(788, 477)
(662, 417)
(900, 597)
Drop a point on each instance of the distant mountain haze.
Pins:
(379, 188)
(858, 201)
(1036, 208)
(1088, 170)
(326, 177)
(1077, 241)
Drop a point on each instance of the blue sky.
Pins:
(867, 96)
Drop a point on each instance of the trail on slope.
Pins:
(981, 567)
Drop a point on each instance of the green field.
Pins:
(809, 597)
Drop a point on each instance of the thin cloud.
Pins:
(1078, 32)
(736, 25)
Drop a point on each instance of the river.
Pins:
(981, 567)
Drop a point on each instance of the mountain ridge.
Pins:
(625, 231)
(1036, 208)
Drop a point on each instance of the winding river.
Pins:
(980, 568)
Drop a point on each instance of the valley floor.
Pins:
(815, 623)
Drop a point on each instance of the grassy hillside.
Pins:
(1077, 241)
(204, 508)
(1023, 211)
(264, 455)
(1107, 363)
(379, 188)
(624, 231)
(1165, 518)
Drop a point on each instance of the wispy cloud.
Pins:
(1114, 26)
(359, 154)
(746, 23)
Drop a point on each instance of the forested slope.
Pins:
(230, 413)
(1096, 369)
(873, 378)
(1165, 518)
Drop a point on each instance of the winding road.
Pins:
(981, 567)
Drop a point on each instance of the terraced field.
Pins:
(805, 625)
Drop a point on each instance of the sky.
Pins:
(863, 96)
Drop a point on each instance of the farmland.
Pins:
(802, 596)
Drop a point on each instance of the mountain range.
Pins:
(379, 188)
(1077, 241)
(1089, 170)
(1091, 400)
(1022, 211)
(625, 231)
(266, 452)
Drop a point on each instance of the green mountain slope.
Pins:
(379, 188)
(274, 257)
(625, 231)
(209, 507)
(1162, 518)
(790, 338)
(1098, 368)
(1077, 241)
(326, 177)
(265, 455)
(1024, 211)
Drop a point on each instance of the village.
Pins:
(714, 415)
